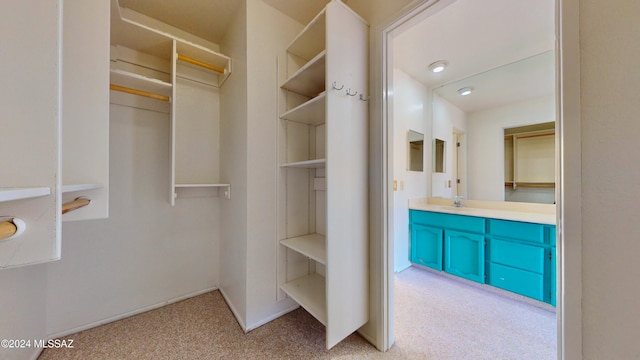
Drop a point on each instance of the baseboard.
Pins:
(234, 311)
(369, 338)
(271, 318)
(36, 354)
(128, 314)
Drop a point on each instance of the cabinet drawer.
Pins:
(517, 230)
(519, 281)
(449, 221)
(517, 255)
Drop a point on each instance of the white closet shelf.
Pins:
(311, 112)
(9, 194)
(201, 185)
(311, 245)
(139, 82)
(307, 164)
(309, 291)
(309, 80)
(80, 187)
(311, 40)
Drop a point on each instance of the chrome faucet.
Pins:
(457, 201)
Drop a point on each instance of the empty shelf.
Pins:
(80, 187)
(139, 82)
(312, 246)
(9, 194)
(309, 291)
(200, 185)
(309, 164)
(311, 112)
(310, 79)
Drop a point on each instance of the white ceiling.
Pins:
(210, 19)
(477, 36)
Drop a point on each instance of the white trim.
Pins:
(569, 265)
(128, 314)
(272, 317)
(569, 193)
(234, 311)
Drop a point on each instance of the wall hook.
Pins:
(363, 99)
(335, 86)
(350, 94)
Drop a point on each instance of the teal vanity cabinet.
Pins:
(512, 255)
(521, 258)
(464, 255)
(426, 246)
(453, 243)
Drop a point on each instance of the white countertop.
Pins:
(527, 212)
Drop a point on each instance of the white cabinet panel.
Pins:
(30, 103)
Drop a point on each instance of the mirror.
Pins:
(439, 147)
(416, 151)
(515, 95)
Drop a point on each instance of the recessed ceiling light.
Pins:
(438, 66)
(465, 91)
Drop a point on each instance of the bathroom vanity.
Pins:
(511, 246)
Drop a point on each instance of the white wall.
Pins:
(269, 32)
(446, 118)
(233, 168)
(411, 111)
(147, 252)
(485, 143)
(610, 83)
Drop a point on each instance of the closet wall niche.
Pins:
(323, 171)
(172, 71)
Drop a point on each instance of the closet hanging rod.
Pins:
(200, 63)
(7, 229)
(138, 92)
(75, 204)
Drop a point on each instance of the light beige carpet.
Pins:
(436, 318)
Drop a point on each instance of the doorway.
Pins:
(568, 322)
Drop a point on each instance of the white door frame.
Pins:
(568, 191)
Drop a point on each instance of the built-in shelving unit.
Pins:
(10, 194)
(323, 171)
(154, 60)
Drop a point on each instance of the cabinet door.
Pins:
(464, 255)
(426, 246)
(30, 103)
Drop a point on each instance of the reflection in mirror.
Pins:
(499, 101)
(529, 163)
(439, 147)
(416, 151)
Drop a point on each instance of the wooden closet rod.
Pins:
(75, 204)
(138, 92)
(7, 229)
(200, 63)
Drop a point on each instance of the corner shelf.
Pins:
(311, 40)
(10, 194)
(312, 246)
(309, 291)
